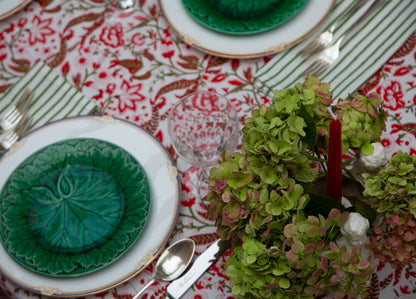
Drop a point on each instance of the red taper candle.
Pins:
(334, 175)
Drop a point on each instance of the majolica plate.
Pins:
(242, 17)
(8, 7)
(164, 209)
(80, 203)
(286, 35)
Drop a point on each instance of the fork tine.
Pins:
(13, 136)
(23, 126)
(310, 69)
(17, 111)
(8, 141)
(311, 49)
(321, 70)
(10, 119)
(11, 112)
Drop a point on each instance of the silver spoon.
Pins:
(125, 4)
(172, 262)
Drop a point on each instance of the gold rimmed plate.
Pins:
(164, 210)
(81, 204)
(8, 7)
(272, 41)
(242, 17)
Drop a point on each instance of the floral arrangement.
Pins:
(289, 240)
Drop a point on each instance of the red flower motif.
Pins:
(40, 30)
(405, 290)
(22, 22)
(3, 52)
(189, 203)
(137, 39)
(235, 63)
(167, 49)
(402, 71)
(130, 94)
(206, 102)
(112, 35)
(65, 68)
(218, 78)
(393, 96)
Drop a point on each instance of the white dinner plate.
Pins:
(9, 7)
(298, 28)
(165, 202)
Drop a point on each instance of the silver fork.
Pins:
(331, 54)
(16, 113)
(325, 38)
(13, 136)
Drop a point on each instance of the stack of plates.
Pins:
(80, 206)
(204, 25)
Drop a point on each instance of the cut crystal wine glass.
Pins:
(202, 126)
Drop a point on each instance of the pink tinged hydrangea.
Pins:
(336, 278)
(310, 291)
(266, 232)
(333, 246)
(310, 247)
(323, 264)
(231, 213)
(402, 254)
(220, 185)
(395, 219)
(410, 236)
(364, 264)
(394, 242)
(227, 195)
(266, 220)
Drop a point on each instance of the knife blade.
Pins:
(179, 286)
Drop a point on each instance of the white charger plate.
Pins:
(9, 7)
(266, 43)
(165, 206)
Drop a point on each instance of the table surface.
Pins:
(135, 60)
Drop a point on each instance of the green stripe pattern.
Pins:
(363, 51)
(54, 97)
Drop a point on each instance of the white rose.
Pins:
(377, 159)
(355, 229)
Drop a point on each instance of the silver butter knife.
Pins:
(179, 286)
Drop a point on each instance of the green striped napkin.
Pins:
(54, 97)
(363, 51)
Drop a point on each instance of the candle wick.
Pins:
(331, 112)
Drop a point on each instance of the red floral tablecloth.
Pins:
(134, 60)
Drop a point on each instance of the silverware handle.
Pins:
(351, 10)
(377, 4)
(144, 288)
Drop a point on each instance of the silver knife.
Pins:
(179, 286)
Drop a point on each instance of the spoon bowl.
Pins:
(172, 262)
(125, 4)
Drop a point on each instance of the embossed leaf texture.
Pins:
(243, 17)
(77, 209)
(74, 207)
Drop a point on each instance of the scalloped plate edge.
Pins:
(164, 213)
(245, 46)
